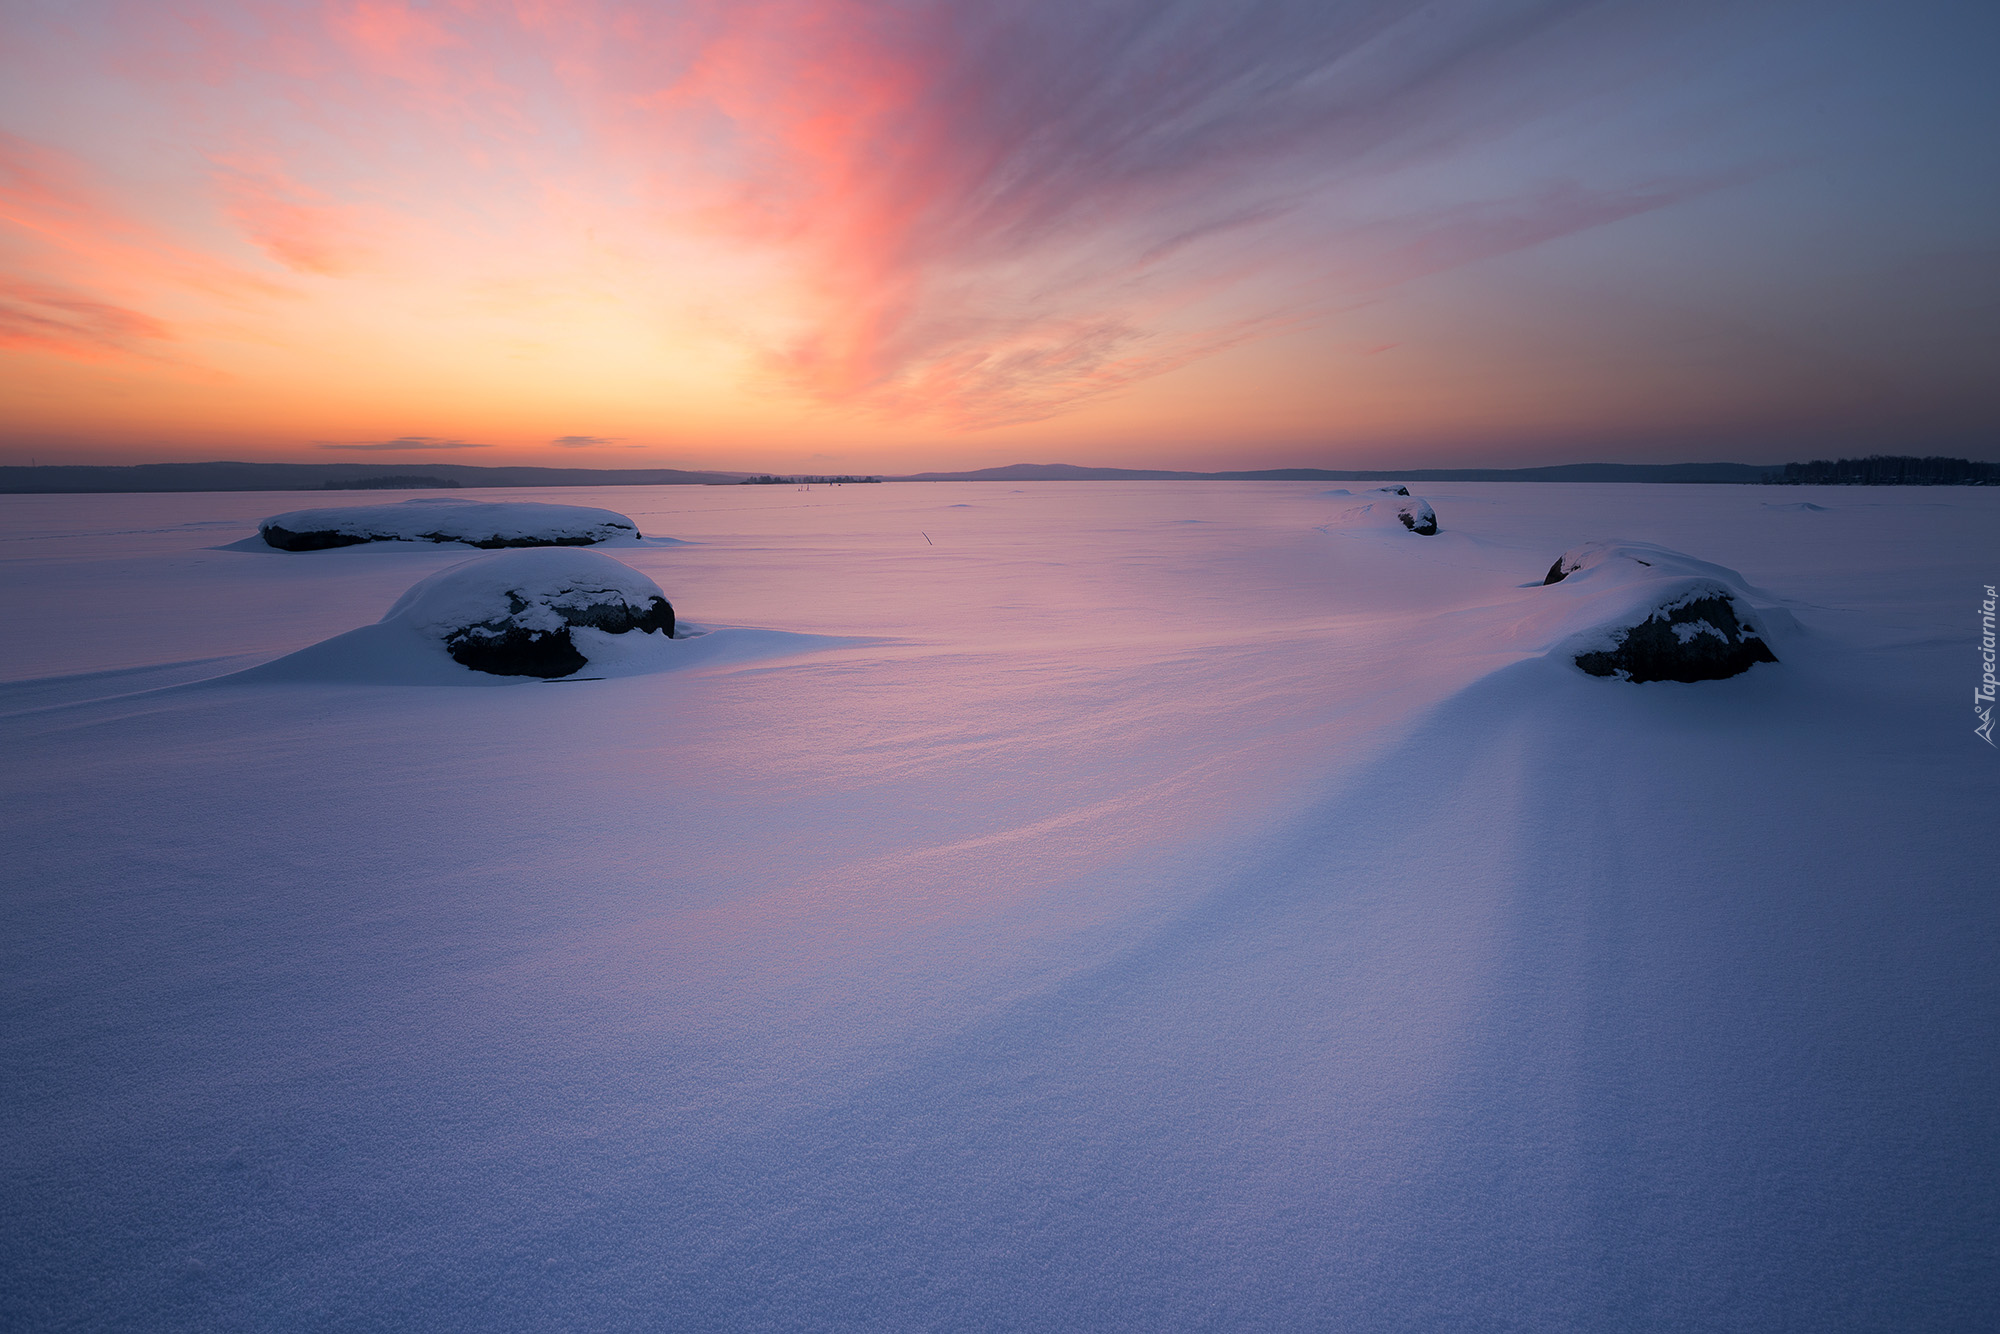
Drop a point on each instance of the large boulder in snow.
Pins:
(514, 614)
(1660, 615)
(1695, 637)
(478, 523)
(1389, 506)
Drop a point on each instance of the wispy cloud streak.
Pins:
(51, 319)
(1002, 212)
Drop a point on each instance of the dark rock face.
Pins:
(512, 651)
(1423, 522)
(507, 648)
(286, 540)
(1697, 640)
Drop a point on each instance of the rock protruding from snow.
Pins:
(478, 523)
(1388, 506)
(1694, 638)
(1661, 615)
(513, 614)
(1417, 515)
(1592, 554)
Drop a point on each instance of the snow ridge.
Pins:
(479, 523)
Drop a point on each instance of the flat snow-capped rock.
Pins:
(1388, 507)
(1655, 614)
(517, 613)
(478, 523)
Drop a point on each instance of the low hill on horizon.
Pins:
(1876, 470)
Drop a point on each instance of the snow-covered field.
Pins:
(1082, 906)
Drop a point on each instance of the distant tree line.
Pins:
(1887, 470)
(769, 479)
(396, 482)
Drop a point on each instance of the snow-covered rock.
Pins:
(1417, 515)
(479, 523)
(1389, 506)
(1659, 615)
(515, 614)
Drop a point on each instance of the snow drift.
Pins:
(490, 620)
(1657, 614)
(478, 523)
(1389, 506)
(516, 614)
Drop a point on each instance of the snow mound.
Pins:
(1655, 614)
(479, 523)
(1389, 507)
(521, 617)
(516, 614)
(1797, 507)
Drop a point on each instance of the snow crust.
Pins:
(448, 519)
(1387, 507)
(1080, 919)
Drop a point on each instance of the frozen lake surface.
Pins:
(1087, 906)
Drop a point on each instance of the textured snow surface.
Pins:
(448, 519)
(1133, 908)
(1391, 507)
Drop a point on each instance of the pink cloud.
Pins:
(296, 224)
(40, 318)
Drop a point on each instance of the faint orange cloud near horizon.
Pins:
(83, 277)
(51, 319)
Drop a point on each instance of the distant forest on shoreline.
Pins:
(1875, 470)
(1887, 470)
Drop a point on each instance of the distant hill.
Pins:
(1054, 472)
(393, 482)
(328, 477)
(1879, 470)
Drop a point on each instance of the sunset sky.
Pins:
(899, 234)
